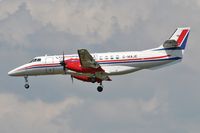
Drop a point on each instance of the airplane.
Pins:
(98, 67)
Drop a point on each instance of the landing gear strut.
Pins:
(100, 87)
(26, 82)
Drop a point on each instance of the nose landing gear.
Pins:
(26, 82)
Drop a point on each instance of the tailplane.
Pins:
(176, 44)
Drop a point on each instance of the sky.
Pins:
(164, 100)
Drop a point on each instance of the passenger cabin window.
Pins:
(39, 59)
(117, 57)
(100, 58)
(106, 57)
(128, 56)
(111, 57)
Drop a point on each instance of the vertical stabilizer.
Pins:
(176, 44)
(181, 36)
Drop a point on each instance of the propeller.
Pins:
(62, 63)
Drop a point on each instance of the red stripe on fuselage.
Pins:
(132, 59)
(181, 37)
(135, 59)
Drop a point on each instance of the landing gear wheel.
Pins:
(99, 88)
(26, 86)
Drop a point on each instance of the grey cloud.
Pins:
(8, 8)
(96, 17)
(34, 116)
(16, 27)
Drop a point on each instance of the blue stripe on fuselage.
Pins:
(174, 48)
(174, 58)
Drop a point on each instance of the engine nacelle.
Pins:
(75, 65)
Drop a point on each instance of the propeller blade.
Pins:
(64, 68)
(63, 62)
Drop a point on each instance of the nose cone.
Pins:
(20, 71)
(12, 73)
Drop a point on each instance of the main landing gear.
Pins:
(100, 87)
(26, 82)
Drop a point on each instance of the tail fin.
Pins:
(174, 46)
(177, 41)
(181, 36)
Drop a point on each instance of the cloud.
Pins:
(92, 21)
(16, 27)
(35, 116)
(129, 108)
(8, 8)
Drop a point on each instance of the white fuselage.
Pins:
(114, 63)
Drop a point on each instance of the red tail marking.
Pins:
(181, 37)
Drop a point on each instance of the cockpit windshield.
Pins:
(35, 60)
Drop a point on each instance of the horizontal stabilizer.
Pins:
(170, 44)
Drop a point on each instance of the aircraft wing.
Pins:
(87, 61)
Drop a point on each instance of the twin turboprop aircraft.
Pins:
(98, 67)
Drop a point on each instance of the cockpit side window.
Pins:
(32, 61)
(35, 60)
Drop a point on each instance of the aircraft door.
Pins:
(49, 62)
